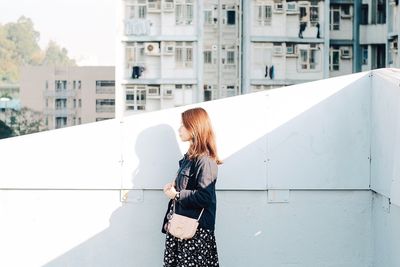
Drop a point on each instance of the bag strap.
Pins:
(201, 213)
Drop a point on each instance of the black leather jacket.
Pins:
(195, 181)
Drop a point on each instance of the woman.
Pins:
(193, 191)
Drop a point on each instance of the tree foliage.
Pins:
(19, 46)
(26, 121)
(5, 130)
(56, 55)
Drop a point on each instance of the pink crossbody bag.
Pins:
(181, 226)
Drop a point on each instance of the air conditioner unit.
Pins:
(290, 49)
(169, 49)
(168, 6)
(292, 8)
(152, 49)
(153, 6)
(278, 8)
(345, 53)
(168, 93)
(153, 91)
(277, 50)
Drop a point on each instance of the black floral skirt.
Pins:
(200, 251)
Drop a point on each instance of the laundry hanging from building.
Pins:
(271, 72)
(137, 71)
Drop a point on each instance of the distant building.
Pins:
(177, 52)
(68, 96)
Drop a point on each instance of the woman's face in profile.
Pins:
(184, 134)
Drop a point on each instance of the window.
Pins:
(79, 84)
(207, 95)
(208, 17)
(134, 54)
(184, 12)
(207, 57)
(314, 18)
(308, 58)
(334, 18)
(130, 97)
(61, 103)
(231, 17)
(136, 96)
(184, 54)
(381, 12)
(140, 97)
(364, 54)
(61, 85)
(102, 119)
(334, 58)
(364, 14)
(136, 11)
(230, 57)
(346, 10)
(61, 122)
(105, 105)
(80, 103)
(74, 85)
(47, 84)
(105, 87)
(264, 14)
(74, 103)
(230, 90)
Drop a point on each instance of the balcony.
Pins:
(311, 177)
(60, 93)
(373, 34)
(59, 112)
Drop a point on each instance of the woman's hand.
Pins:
(170, 191)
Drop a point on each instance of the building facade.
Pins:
(68, 96)
(177, 52)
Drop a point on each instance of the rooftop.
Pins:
(311, 177)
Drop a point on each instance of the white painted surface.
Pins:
(78, 157)
(322, 140)
(79, 219)
(385, 134)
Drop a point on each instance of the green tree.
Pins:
(5, 130)
(19, 46)
(56, 55)
(26, 121)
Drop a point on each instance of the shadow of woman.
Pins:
(134, 236)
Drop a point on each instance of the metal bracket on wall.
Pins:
(132, 196)
(278, 196)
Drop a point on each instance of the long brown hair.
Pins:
(197, 122)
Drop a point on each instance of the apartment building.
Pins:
(284, 43)
(177, 52)
(68, 96)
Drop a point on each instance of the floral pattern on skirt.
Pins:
(200, 251)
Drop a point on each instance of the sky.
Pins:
(86, 28)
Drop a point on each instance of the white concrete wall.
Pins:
(385, 167)
(294, 188)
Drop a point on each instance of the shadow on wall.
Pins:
(134, 237)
